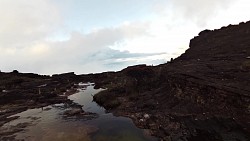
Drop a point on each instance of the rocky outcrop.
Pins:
(202, 95)
(21, 91)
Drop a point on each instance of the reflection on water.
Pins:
(49, 124)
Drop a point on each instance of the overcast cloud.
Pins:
(199, 11)
(47, 37)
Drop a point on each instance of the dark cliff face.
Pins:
(220, 60)
(231, 42)
(211, 79)
(216, 66)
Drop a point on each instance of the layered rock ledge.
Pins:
(202, 95)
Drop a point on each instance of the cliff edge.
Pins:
(202, 95)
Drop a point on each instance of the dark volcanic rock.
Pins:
(202, 95)
(21, 91)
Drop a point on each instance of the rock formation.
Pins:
(202, 95)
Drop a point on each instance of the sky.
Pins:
(90, 36)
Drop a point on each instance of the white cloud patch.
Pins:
(26, 21)
(81, 53)
(198, 11)
(175, 22)
(27, 25)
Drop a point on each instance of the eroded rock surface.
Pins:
(202, 95)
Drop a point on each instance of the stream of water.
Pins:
(50, 124)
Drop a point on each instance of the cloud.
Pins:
(196, 11)
(81, 53)
(27, 29)
(26, 21)
(92, 53)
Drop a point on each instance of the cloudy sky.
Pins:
(84, 36)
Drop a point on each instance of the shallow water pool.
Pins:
(49, 123)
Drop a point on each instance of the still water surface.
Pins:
(49, 123)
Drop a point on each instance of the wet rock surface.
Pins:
(79, 114)
(22, 91)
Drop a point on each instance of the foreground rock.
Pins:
(79, 113)
(73, 112)
(22, 91)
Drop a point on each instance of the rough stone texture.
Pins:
(202, 95)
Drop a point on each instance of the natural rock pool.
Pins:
(51, 124)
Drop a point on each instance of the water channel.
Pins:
(50, 124)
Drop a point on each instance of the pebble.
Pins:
(141, 120)
(146, 116)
